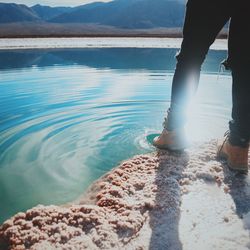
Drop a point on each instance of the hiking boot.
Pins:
(235, 156)
(174, 140)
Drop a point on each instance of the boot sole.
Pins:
(170, 149)
(181, 149)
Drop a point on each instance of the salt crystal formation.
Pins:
(135, 206)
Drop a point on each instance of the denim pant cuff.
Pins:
(238, 137)
(176, 118)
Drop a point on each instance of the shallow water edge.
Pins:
(159, 200)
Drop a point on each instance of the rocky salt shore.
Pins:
(160, 200)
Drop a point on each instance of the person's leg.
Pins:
(240, 123)
(239, 62)
(234, 148)
(203, 21)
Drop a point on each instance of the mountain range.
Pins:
(125, 14)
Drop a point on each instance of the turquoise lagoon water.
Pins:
(69, 116)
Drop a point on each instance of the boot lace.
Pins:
(165, 122)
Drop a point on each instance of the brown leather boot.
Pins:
(171, 140)
(236, 156)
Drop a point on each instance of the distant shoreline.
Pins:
(76, 30)
(97, 42)
(174, 35)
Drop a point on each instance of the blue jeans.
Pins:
(203, 21)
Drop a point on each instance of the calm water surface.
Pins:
(69, 116)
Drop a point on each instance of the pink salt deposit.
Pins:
(160, 200)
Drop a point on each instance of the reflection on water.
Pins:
(69, 116)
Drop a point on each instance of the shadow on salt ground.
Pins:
(239, 189)
(164, 219)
